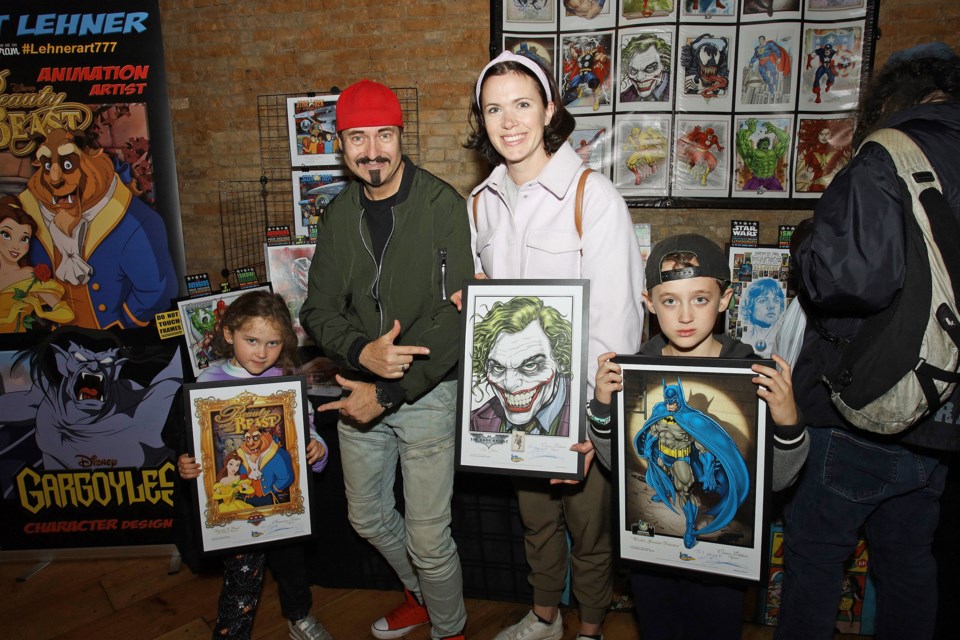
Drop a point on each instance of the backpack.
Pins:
(902, 364)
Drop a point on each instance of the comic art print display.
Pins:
(585, 73)
(645, 62)
(704, 73)
(691, 465)
(762, 156)
(86, 151)
(312, 192)
(312, 127)
(701, 156)
(523, 369)
(250, 439)
(779, 62)
(642, 157)
(830, 77)
(83, 462)
(760, 295)
(824, 146)
(592, 140)
(200, 318)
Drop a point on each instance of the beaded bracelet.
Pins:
(602, 422)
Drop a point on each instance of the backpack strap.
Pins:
(577, 206)
(578, 203)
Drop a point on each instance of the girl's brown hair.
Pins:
(266, 305)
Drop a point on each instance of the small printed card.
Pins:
(744, 233)
(278, 235)
(198, 284)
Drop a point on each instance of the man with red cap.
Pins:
(389, 247)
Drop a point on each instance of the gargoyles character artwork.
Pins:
(91, 403)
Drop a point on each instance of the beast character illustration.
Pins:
(107, 248)
(268, 466)
(682, 446)
(85, 405)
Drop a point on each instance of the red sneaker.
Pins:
(409, 615)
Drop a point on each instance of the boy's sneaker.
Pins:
(402, 620)
(307, 629)
(530, 628)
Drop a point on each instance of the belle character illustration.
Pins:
(29, 297)
(231, 486)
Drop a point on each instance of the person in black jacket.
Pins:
(851, 266)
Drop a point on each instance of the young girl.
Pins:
(256, 333)
(524, 225)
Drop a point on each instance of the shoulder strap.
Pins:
(577, 207)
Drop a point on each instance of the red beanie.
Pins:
(368, 104)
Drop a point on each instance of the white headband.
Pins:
(509, 56)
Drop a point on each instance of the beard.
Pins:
(375, 178)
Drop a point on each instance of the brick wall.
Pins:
(222, 54)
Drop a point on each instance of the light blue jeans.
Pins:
(419, 546)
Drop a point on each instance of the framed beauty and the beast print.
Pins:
(691, 462)
(523, 377)
(249, 437)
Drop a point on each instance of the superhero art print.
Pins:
(641, 162)
(523, 370)
(701, 156)
(541, 48)
(586, 72)
(708, 10)
(529, 15)
(587, 14)
(754, 10)
(704, 80)
(287, 267)
(691, 465)
(762, 145)
(760, 277)
(312, 128)
(644, 62)
(831, 67)
(639, 11)
(767, 66)
(200, 319)
(592, 140)
(312, 192)
(250, 439)
(834, 9)
(824, 146)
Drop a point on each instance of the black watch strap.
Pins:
(383, 398)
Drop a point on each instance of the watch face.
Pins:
(382, 399)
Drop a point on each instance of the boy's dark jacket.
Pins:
(790, 442)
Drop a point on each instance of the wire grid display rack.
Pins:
(247, 207)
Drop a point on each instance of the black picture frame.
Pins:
(550, 383)
(720, 410)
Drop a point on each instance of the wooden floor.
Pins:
(136, 599)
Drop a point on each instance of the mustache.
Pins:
(368, 160)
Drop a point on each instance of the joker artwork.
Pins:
(522, 353)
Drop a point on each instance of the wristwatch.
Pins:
(382, 398)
